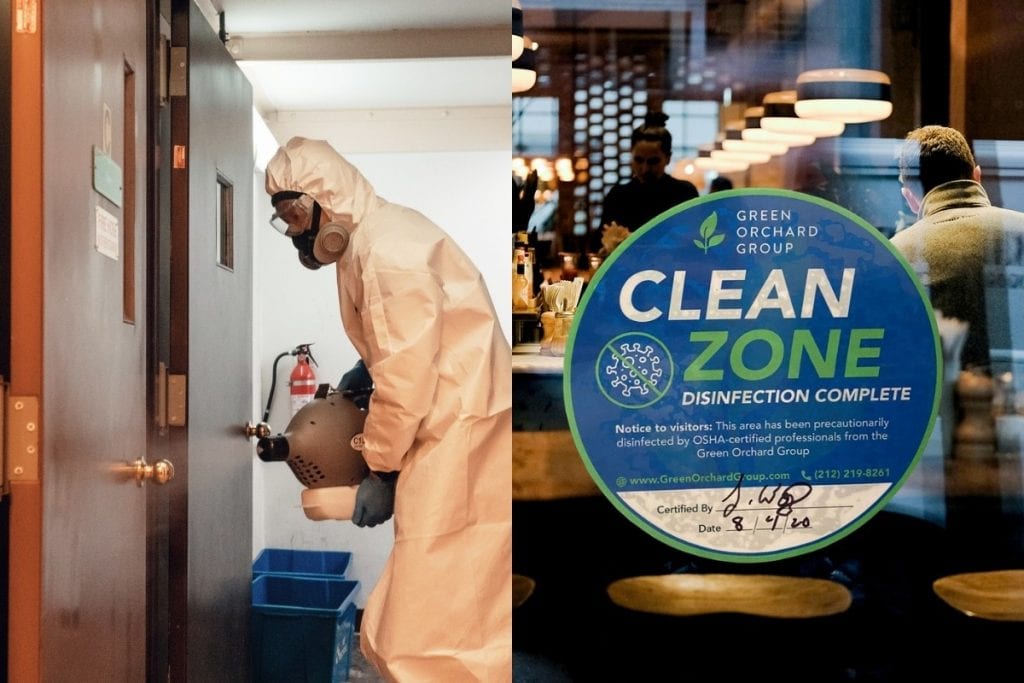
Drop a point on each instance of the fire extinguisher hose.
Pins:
(273, 383)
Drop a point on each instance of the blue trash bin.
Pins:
(321, 564)
(302, 629)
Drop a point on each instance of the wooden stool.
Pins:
(758, 594)
(522, 588)
(994, 595)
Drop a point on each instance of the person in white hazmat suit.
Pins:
(439, 428)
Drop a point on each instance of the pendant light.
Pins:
(706, 162)
(524, 69)
(735, 142)
(846, 95)
(755, 133)
(780, 117)
(517, 29)
(750, 157)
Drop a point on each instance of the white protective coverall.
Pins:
(419, 314)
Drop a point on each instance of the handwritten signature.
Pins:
(782, 497)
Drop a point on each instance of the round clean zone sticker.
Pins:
(752, 375)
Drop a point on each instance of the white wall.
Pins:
(458, 179)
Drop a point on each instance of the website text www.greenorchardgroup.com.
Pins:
(708, 478)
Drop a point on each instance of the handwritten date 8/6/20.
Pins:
(780, 500)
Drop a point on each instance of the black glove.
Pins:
(357, 385)
(375, 499)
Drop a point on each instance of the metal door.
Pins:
(110, 279)
(78, 381)
(208, 340)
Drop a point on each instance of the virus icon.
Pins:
(635, 370)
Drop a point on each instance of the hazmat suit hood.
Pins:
(315, 168)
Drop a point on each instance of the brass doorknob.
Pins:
(260, 430)
(160, 472)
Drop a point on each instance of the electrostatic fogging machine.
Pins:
(323, 447)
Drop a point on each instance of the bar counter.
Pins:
(545, 463)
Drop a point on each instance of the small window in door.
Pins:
(129, 203)
(225, 223)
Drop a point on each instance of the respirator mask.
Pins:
(296, 215)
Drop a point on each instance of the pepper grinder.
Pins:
(975, 435)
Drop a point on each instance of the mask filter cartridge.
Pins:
(330, 243)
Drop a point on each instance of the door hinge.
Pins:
(171, 398)
(19, 445)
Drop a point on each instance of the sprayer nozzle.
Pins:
(272, 449)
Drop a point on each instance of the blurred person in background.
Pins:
(719, 184)
(957, 232)
(650, 191)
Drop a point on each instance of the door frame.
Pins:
(26, 361)
(158, 630)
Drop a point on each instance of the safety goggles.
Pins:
(292, 216)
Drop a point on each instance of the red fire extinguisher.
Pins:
(302, 382)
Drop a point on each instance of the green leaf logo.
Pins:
(707, 231)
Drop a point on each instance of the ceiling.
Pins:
(326, 55)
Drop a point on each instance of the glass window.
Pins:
(692, 124)
(535, 126)
(944, 557)
(225, 221)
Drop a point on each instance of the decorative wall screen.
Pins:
(610, 94)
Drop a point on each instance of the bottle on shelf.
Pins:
(522, 297)
(524, 252)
